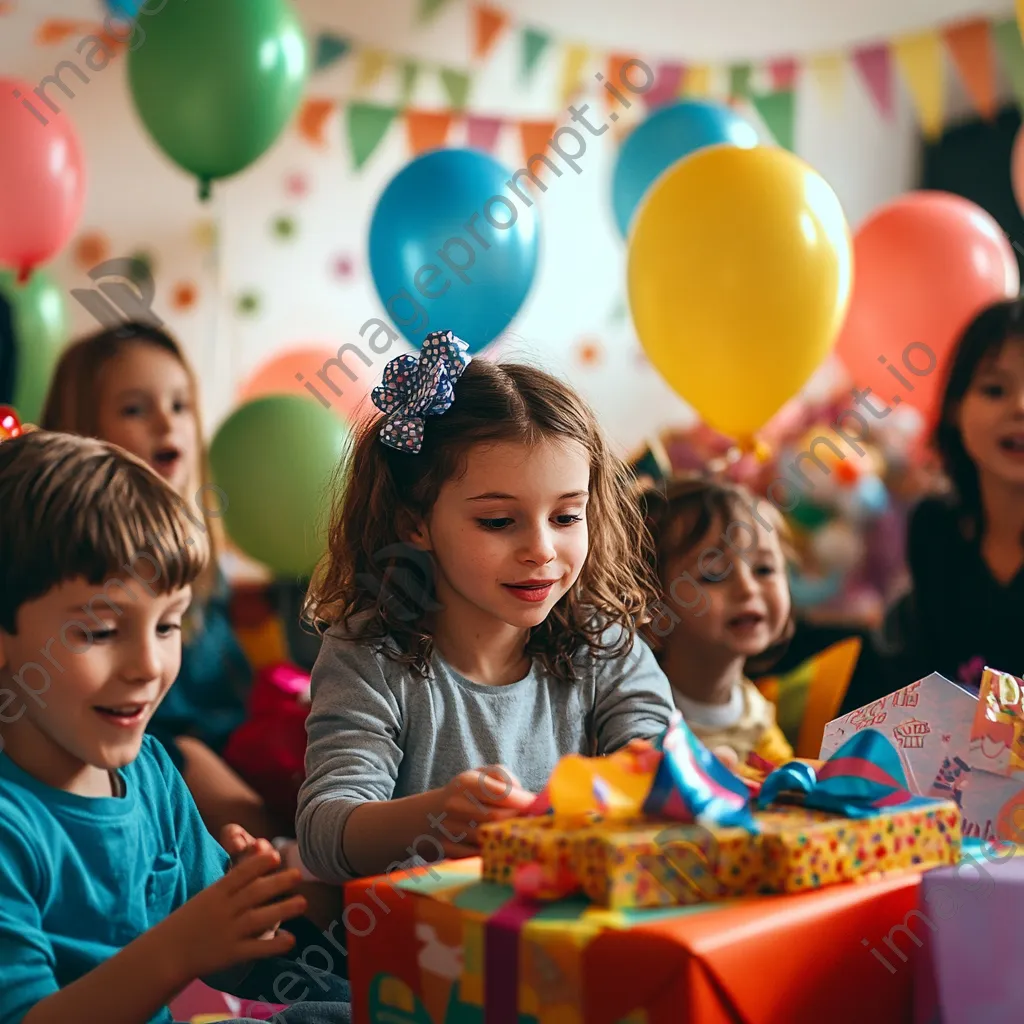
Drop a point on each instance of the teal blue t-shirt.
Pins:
(81, 877)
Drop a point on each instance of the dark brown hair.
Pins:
(982, 339)
(365, 579)
(75, 507)
(680, 512)
(72, 406)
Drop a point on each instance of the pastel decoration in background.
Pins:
(667, 136)
(738, 310)
(90, 249)
(926, 264)
(247, 67)
(274, 458)
(284, 228)
(809, 696)
(342, 267)
(123, 10)
(184, 296)
(39, 328)
(42, 178)
(204, 234)
(811, 591)
(588, 352)
(315, 372)
(429, 271)
(296, 185)
(248, 304)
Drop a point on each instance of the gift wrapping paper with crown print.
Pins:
(441, 946)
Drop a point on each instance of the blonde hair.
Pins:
(75, 507)
(72, 406)
(368, 571)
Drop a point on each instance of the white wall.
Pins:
(140, 201)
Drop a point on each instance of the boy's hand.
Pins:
(225, 924)
(471, 798)
(239, 845)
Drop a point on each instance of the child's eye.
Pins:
(568, 519)
(131, 410)
(99, 635)
(165, 629)
(765, 570)
(181, 407)
(495, 524)
(992, 390)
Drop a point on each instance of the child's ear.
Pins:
(419, 537)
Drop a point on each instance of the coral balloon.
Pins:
(42, 178)
(739, 276)
(925, 265)
(320, 373)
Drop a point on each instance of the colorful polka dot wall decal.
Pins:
(296, 185)
(204, 234)
(143, 266)
(589, 352)
(248, 304)
(342, 267)
(284, 228)
(91, 248)
(184, 296)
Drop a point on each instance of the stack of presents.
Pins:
(876, 883)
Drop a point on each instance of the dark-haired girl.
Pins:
(966, 550)
(484, 575)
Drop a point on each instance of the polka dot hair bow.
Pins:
(415, 388)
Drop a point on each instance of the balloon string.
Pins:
(204, 189)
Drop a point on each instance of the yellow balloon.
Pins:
(740, 271)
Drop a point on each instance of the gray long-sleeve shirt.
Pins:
(377, 731)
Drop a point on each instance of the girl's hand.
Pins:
(239, 846)
(227, 923)
(485, 794)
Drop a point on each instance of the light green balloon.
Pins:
(274, 459)
(40, 315)
(216, 81)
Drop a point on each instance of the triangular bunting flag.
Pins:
(668, 80)
(572, 71)
(616, 72)
(487, 23)
(313, 118)
(1008, 42)
(697, 81)
(456, 85)
(1011, 52)
(875, 65)
(329, 50)
(739, 81)
(427, 129)
(482, 132)
(970, 47)
(829, 70)
(783, 74)
(410, 72)
(534, 44)
(428, 8)
(536, 137)
(371, 65)
(778, 111)
(920, 59)
(367, 125)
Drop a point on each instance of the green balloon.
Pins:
(216, 81)
(274, 458)
(40, 317)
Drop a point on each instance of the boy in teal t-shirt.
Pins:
(113, 896)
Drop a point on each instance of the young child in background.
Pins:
(483, 576)
(725, 602)
(966, 551)
(113, 895)
(133, 386)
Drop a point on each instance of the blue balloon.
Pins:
(665, 138)
(454, 247)
(124, 10)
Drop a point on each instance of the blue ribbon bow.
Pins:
(414, 388)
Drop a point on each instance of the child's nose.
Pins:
(541, 548)
(142, 662)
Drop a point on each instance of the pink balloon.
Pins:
(924, 266)
(42, 179)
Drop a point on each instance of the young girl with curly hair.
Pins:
(479, 597)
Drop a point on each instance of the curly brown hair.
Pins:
(680, 512)
(376, 585)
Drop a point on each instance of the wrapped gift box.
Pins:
(964, 935)
(444, 947)
(997, 732)
(651, 864)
